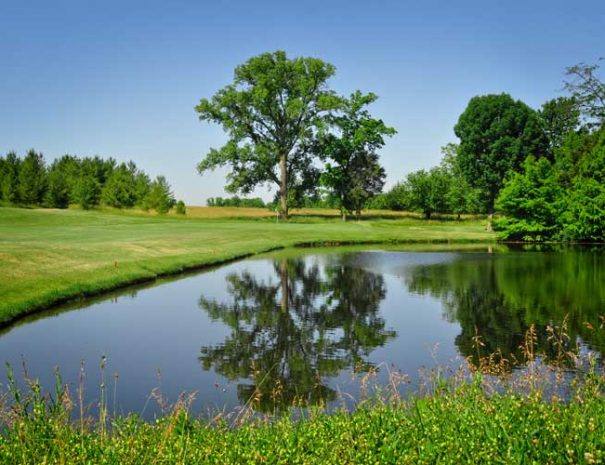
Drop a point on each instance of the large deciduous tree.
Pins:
(270, 112)
(353, 172)
(496, 134)
(559, 116)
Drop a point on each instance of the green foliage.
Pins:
(160, 197)
(458, 422)
(378, 202)
(461, 197)
(66, 168)
(120, 190)
(97, 167)
(561, 201)
(236, 201)
(397, 198)
(32, 179)
(531, 202)
(427, 191)
(10, 178)
(180, 208)
(142, 186)
(560, 117)
(71, 180)
(353, 173)
(588, 90)
(496, 134)
(86, 191)
(58, 193)
(584, 218)
(269, 112)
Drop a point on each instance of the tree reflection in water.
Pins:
(499, 296)
(290, 333)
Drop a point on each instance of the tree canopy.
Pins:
(588, 90)
(496, 134)
(353, 172)
(270, 112)
(87, 182)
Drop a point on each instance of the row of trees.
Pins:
(283, 121)
(543, 170)
(236, 201)
(88, 182)
(286, 127)
(442, 189)
(562, 197)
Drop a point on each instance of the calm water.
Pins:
(301, 323)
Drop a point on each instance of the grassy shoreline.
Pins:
(49, 257)
(461, 421)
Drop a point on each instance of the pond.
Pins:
(302, 325)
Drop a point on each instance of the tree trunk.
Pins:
(490, 217)
(490, 211)
(358, 215)
(343, 214)
(283, 187)
(283, 276)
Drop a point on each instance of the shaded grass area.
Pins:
(49, 256)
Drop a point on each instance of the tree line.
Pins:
(542, 170)
(236, 201)
(87, 182)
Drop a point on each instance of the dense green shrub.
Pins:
(180, 208)
(564, 200)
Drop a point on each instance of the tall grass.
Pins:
(552, 410)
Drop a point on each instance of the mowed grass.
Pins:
(48, 256)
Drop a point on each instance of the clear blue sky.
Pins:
(121, 78)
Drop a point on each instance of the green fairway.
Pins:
(48, 256)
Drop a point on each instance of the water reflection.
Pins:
(500, 296)
(290, 332)
(291, 326)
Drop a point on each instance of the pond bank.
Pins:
(453, 424)
(53, 256)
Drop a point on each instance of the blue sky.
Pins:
(121, 79)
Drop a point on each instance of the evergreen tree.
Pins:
(10, 182)
(33, 182)
(87, 191)
(160, 197)
(58, 193)
(120, 189)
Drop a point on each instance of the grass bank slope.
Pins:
(48, 256)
